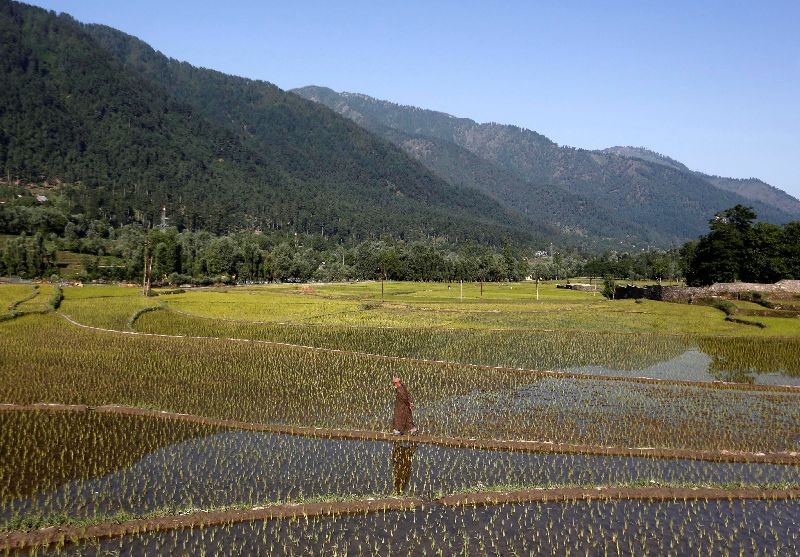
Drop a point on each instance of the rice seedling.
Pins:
(593, 527)
(321, 357)
(291, 385)
(84, 465)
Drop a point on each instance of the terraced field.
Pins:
(675, 429)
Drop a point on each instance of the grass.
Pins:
(504, 306)
(653, 484)
(234, 370)
(45, 359)
(288, 385)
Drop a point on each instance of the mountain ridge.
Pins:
(750, 188)
(672, 203)
(139, 138)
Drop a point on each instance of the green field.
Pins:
(568, 368)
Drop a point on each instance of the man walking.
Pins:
(402, 423)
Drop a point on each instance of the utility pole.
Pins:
(148, 268)
(462, 290)
(537, 288)
(383, 277)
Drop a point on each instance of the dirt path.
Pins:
(615, 493)
(791, 458)
(540, 373)
(17, 540)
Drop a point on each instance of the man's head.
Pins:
(396, 381)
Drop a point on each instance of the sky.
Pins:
(715, 85)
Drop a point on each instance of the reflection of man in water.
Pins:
(402, 455)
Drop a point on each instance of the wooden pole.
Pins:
(147, 266)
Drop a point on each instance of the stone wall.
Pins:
(782, 290)
(581, 287)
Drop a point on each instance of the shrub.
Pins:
(726, 306)
(609, 287)
(56, 298)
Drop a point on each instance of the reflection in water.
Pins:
(402, 455)
(746, 360)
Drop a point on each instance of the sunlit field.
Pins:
(716, 402)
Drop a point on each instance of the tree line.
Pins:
(736, 248)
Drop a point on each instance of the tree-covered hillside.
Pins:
(221, 153)
(661, 204)
(749, 188)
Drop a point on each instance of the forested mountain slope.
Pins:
(222, 153)
(658, 202)
(749, 188)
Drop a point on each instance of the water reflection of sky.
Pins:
(738, 527)
(692, 365)
(253, 467)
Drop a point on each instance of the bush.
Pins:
(609, 287)
(176, 278)
(56, 298)
(726, 306)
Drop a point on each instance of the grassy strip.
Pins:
(13, 306)
(53, 303)
(142, 311)
(56, 298)
(193, 518)
(31, 522)
(730, 309)
(653, 484)
(758, 324)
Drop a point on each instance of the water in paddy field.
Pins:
(251, 468)
(692, 365)
(696, 365)
(581, 527)
(622, 413)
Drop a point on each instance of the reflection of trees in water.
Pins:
(44, 450)
(402, 456)
(741, 359)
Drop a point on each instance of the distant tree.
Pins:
(609, 287)
(719, 255)
(735, 249)
(790, 249)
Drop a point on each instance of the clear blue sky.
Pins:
(715, 85)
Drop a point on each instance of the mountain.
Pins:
(132, 130)
(577, 219)
(645, 155)
(654, 199)
(749, 188)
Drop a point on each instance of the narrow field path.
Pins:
(542, 373)
(611, 493)
(790, 458)
(18, 540)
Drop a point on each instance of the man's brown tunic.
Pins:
(402, 410)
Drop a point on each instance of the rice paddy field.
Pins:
(254, 420)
